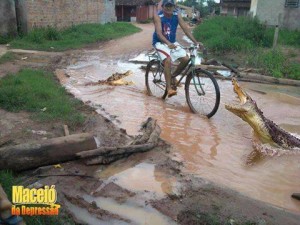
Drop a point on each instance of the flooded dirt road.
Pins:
(216, 148)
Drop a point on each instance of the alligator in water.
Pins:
(265, 130)
(115, 79)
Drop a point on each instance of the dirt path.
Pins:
(143, 188)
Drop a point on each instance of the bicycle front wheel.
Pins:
(202, 92)
(155, 79)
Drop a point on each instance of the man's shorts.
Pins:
(164, 51)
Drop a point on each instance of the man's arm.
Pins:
(158, 29)
(187, 31)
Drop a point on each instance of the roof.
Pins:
(136, 2)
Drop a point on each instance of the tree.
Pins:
(205, 7)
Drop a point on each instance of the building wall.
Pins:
(109, 14)
(268, 11)
(8, 22)
(275, 13)
(64, 13)
(253, 7)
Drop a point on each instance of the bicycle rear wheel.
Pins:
(155, 79)
(202, 92)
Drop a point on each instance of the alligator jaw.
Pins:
(267, 131)
(236, 109)
(248, 111)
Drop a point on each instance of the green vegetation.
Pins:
(5, 39)
(248, 35)
(274, 62)
(216, 219)
(222, 34)
(36, 91)
(205, 7)
(9, 56)
(52, 39)
(7, 180)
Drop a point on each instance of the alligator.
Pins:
(115, 79)
(274, 140)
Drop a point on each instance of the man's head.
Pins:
(168, 3)
(168, 6)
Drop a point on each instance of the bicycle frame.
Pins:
(190, 68)
(206, 89)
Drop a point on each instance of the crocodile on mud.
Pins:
(115, 79)
(264, 129)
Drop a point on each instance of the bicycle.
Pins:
(201, 88)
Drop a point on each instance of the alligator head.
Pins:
(266, 130)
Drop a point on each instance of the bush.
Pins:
(232, 34)
(5, 39)
(274, 63)
(291, 38)
(242, 33)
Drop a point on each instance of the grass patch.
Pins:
(50, 38)
(34, 90)
(290, 38)
(8, 56)
(274, 63)
(232, 34)
(214, 218)
(4, 39)
(248, 36)
(243, 33)
(7, 180)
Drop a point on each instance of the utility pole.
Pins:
(275, 40)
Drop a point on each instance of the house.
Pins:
(28, 14)
(185, 11)
(234, 7)
(285, 13)
(135, 10)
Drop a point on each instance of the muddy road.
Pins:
(215, 149)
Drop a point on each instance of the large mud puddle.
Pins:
(215, 148)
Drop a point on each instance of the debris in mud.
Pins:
(5, 140)
(94, 209)
(112, 190)
(141, 143)
(115, 79)
(45, 152)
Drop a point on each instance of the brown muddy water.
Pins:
(215, 149)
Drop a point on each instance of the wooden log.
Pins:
(110, 151)
(105, 159)
(269, 79)
(141, 143)
(46, 152)
(5, 140)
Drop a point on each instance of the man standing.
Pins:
(164, 40)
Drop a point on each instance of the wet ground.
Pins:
(215, 149)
